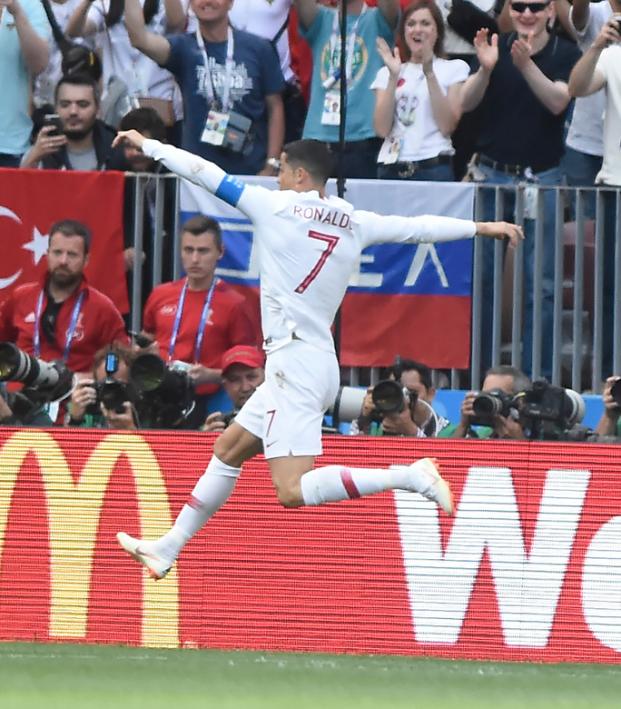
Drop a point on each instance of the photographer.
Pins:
(502, 382)
(608, 425)
(242, 373)
(412, 416)
(88, 407)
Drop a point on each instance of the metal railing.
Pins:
(576, 285)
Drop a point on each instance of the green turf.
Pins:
(37, 676)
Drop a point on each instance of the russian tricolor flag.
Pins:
(412, 300)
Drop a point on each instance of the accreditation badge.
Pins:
(390, 150)
(331, 115)
(215, 128)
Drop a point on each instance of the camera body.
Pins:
(166, 393)
(489, 404)
(111, 393)
(547, 412)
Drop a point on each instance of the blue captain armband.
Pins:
(230, 190)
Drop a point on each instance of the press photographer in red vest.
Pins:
(62, 317)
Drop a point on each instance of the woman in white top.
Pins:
(417, 104)
(142, 77)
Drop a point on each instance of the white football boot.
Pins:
(423, 476)
(140, 551)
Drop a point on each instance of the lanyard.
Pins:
(228, 74)
(75, 314)
(200, 333)
(351, 45)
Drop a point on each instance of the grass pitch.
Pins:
(34, 676)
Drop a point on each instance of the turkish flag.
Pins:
(32, 200)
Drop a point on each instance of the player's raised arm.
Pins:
(191, 167)
(377, 228)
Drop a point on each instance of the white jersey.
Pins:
(308, 245)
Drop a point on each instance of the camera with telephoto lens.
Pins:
(44, 382)
(489, 404)
(166, 391)
(390, 397)
(548, 412)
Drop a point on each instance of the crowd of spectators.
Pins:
(500, 92)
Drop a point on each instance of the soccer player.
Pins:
(308, 245)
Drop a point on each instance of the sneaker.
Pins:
(427, 481)
(138, 549)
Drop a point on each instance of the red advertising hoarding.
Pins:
(529, 568)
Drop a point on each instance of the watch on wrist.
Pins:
(273, 162)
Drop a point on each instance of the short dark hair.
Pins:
(520, 381)
(200, 224)
(72, 227)
(144, 119)
(77, 80)
(313, 155)
(409, 365)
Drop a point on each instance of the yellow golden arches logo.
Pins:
(73, 518)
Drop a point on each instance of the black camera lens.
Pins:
(388, 397)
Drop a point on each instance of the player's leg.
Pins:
(212, 490)
(298, 483)
(306, 384)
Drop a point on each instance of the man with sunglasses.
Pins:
(522, 86)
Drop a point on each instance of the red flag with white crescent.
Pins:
(32, 200)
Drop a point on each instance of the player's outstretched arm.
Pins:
(501, 230)
(193, 168)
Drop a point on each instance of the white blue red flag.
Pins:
(411, 300)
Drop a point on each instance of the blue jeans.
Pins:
(548, 177)
(434, 173)
(579, 170)
(359, 158)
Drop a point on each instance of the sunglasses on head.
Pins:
(534, 7)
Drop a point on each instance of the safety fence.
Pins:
(551, 307)
(529, 568)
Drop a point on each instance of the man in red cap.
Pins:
(242, 372)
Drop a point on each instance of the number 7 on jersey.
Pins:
(331, 242)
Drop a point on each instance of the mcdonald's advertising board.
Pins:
(529, 567)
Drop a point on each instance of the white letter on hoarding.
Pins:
(527, 586)
(601, 584)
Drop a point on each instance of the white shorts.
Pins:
(287, 410)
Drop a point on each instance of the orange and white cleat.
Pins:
(139, 550)
(425, 478)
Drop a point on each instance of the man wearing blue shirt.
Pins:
(231, 83)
